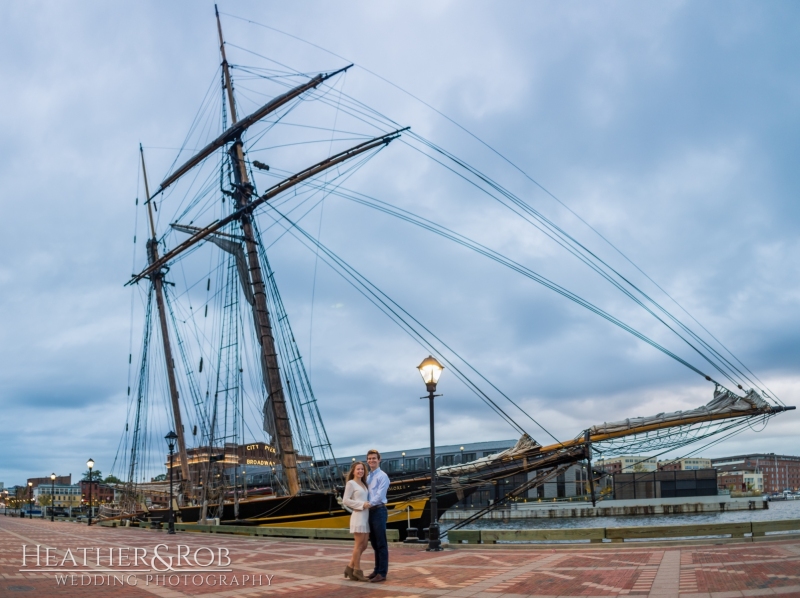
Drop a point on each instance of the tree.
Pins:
(97, 475)
(112, 479)
(13, 499)
(638, 467)
(45, 500)
(159, 478)
(19, 498)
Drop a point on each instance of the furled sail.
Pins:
(232, 247)
(724, 403)
(524, 445)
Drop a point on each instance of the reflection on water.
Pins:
(777, 510)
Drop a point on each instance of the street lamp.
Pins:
(430, 370)
(30, 500)
(90, 465)
(52, 496)
(171, 438)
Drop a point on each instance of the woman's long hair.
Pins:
(351, 475)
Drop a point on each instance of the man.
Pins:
(378, 484)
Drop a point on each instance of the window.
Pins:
(447, 459)
(469, 457)
(390, 465)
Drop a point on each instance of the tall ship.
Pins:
(220, 365)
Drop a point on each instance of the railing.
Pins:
(620, 534)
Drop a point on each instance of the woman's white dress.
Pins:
(355, 495)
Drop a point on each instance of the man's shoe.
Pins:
(371, 575)
(377, 579)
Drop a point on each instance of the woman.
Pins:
(355, 498)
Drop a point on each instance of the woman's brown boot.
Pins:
(348, 572)
(358, 575)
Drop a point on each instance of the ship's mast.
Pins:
(269, 358)
(156, 278)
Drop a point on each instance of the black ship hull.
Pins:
(408, 503)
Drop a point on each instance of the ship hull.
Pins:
(408, 506)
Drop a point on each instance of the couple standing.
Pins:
(365, 495)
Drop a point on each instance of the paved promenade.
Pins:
(106, 562)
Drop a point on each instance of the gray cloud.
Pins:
(672, 129)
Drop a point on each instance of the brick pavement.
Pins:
(305, 569)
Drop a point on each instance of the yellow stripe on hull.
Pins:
(397, 512)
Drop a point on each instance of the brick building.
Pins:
(61, 480)
(780, 472)
(740, 480)
(101, 493)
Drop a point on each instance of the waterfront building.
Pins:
(665, 484)
(780, 472)
(100, 492)
(684, 464)
(627, 464)
(740, 480)
(64, 495)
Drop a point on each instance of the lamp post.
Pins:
(30, 500)
(52, 496)
(171, 438)
(430, 369)
(90, 465)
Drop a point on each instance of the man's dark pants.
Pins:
(377, 538)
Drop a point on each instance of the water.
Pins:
(777, 510)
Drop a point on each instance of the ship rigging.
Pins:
(249, 325)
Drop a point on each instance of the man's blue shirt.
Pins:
(378, 485)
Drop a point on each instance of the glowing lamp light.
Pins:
(430, 370)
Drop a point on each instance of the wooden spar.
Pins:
(225, 69)
(158, 285)
(270, 371)
(270, 193)
(240, 126)
(657, 426)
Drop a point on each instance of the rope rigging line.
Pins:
(588, 257)
(500, 258)
(385, 304)
(317, 189)
(554, 197)
(591, 256)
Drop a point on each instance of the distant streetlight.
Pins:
(90, 465)
(430, 370)
(52, 496)
(30, 500)
(171, 438)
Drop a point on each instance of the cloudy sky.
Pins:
(671, 128)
